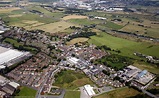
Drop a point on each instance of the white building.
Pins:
(9, 56)
(73, 60)
(89, 90)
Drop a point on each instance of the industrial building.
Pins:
(89, 90)
(9, 56)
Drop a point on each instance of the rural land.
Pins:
(79, 48)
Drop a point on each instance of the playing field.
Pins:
(77, 40)
(127, 47)
(74, 17)
(119, 93)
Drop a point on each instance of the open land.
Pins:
(119, 93)
(72, 94)
(25, 91)
(54, 27)
(77, 40)
(74, 17)
(126, 47)
(8, 10)
(71, 80)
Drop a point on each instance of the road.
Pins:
(150, 94)
(51, 96)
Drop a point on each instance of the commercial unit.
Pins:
(89, 90)
(9, 57)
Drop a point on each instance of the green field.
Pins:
(72, 94)
(119, 93)
(84, 21)
(71, 79)
(127, 47)
(25, 91)
(112, 25)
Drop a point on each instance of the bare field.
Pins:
(18, 15)
(54, 27)
(77, 40)
(8, 10)
(74, 17)
(119, 93)
(29, 22)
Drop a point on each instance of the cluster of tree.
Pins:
(35, 11)
(74, 27)
(128, 10)
(154, 91)
(134, 34)
(103, 47)
(7, 2)
(115, 61)
(74, 11)
(106, 72)
(140, 96)
(82, 34)
(154, 3)
(30, 48)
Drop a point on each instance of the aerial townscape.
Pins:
(79, 48)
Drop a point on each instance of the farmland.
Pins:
(126, 47)
(54, 27)
(8, 10)
(74, 17)
(84, 21)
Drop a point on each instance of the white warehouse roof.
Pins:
(73, 60)
(15, 85)
(89, 90)
(9, 55)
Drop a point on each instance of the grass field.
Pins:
(71, 80)
(54, 27)
(72, 94)
(74, 17)
(150, 68)
(113, 25)
(119, 93)
(25, 91)
(84, 21)
(126, 47)
(77, 40)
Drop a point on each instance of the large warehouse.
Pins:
(9, 57)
